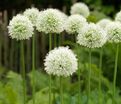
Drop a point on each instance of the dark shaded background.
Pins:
(22, 4)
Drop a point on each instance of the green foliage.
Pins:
(11, 88)
(11, 91)
(41, 80)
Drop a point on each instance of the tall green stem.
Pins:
(89, 76)
(115, 72)
(100, 74)
(50, 47)
(61, 91)
(79, 87)
(11, 54)
(33, 67)
(55, 45)
(23, 71)
(55, 40)
(60, 40)
(0, 52)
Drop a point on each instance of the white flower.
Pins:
(61, 62)
(103, 23)
(63, 15)
(118, 16)
(20, 28)
(92, 36)
(114, 32)
(50, 21)
(80, 8)
(74, 23)
(32, 14)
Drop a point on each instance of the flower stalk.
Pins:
(115, 72)
(100, 76)
(89, 74)
(23, 70)
(79, 87)
(50, 79)
(33, 67)
(61, 90)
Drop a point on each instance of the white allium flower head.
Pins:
(61, 62)
(20, 28)
(74, 23)
(50, 21)
(103, 23)
(32, 14)
(63, 15)
(80, 8)
(113, 30)
(92, 36)
(118, 16)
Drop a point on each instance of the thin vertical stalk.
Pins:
(61, 91)
(60, 40)
(100, 74)
(55, 78)
(55, 40)
(89, 76)
(61, 85)
(79, 87)
(0, 52)
(33, 67)
(50, 47)
(23, 70)
(79, 80)
(11, 54)
(115, 72)
(74, 38)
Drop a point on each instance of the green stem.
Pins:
(100, 74)
(55, 45)
(50, 47)
(23, 71)
(79, 87)
(115, 72)
(11, 54)
(61, 91)
(0, 53)
(74, 38)
(55, 40)
(59, 40)
(33, 67)
(89, 76)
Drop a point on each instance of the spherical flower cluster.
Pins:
(80, 8)
(32, 14)
(61, 62)
(103, 23)
(20, 28)
(74, 24)
(63, 15)
(114, 32)
(50, 21)
(92, 36)
(118, 16)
